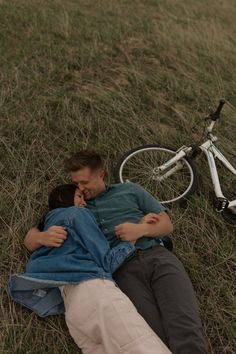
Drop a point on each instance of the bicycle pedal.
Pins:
(221, 204)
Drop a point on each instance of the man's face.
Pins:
(89, 182)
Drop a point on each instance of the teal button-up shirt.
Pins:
(121, 203)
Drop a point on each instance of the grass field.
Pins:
(111, 75)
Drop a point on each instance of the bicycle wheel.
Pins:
(140, 165)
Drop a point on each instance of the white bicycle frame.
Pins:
(211, 152)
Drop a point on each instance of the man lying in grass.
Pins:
(154, 279)
(106, 320)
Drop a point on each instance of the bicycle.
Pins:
(171, 175)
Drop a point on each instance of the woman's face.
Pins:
(79, 199)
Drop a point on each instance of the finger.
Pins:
(118, 230)
(60, 236)
(152, 219)
(120, 226)
(151, 215)
(58, 233)
(54, 241)
(61, 232)
(55, 227)
(118, 235)
(56, 236)
(155, 216)
(58, 229)
(56, 245)
(58, 240)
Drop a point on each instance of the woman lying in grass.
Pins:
(108, 322)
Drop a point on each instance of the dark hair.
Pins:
(83, 158)
(62, 196)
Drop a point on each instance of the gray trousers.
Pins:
(158, 285)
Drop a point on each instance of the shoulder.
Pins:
(60, 216)
(60, 213)
(127, 189)
(127, 186)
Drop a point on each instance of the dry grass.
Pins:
(113, 75)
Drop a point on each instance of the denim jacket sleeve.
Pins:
(94, 241)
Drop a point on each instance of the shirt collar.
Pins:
(107, 188)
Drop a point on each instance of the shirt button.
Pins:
(105, 229)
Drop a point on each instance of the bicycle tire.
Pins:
(140, 164)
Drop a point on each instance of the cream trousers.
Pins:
(102, 320)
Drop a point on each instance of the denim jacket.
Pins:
(85, 255)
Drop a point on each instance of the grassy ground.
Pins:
(112, 75)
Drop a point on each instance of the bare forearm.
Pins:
(156, 224)
(162, 227)
(32, 239)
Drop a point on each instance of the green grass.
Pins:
(112, 75)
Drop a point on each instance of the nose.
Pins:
(81, 188)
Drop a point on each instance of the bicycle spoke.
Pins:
(142, 167)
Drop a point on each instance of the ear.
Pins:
(101, 173)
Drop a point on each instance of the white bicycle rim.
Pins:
(166, 150)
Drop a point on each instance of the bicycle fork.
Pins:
(176, 161)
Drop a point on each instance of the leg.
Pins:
(176, 300)
(85, 342)
(133, 281)
(99, 314)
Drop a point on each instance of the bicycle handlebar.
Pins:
(215, 115)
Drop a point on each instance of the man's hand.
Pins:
(150, 218)
(155, 225)
(53, 237)
(129, 231)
